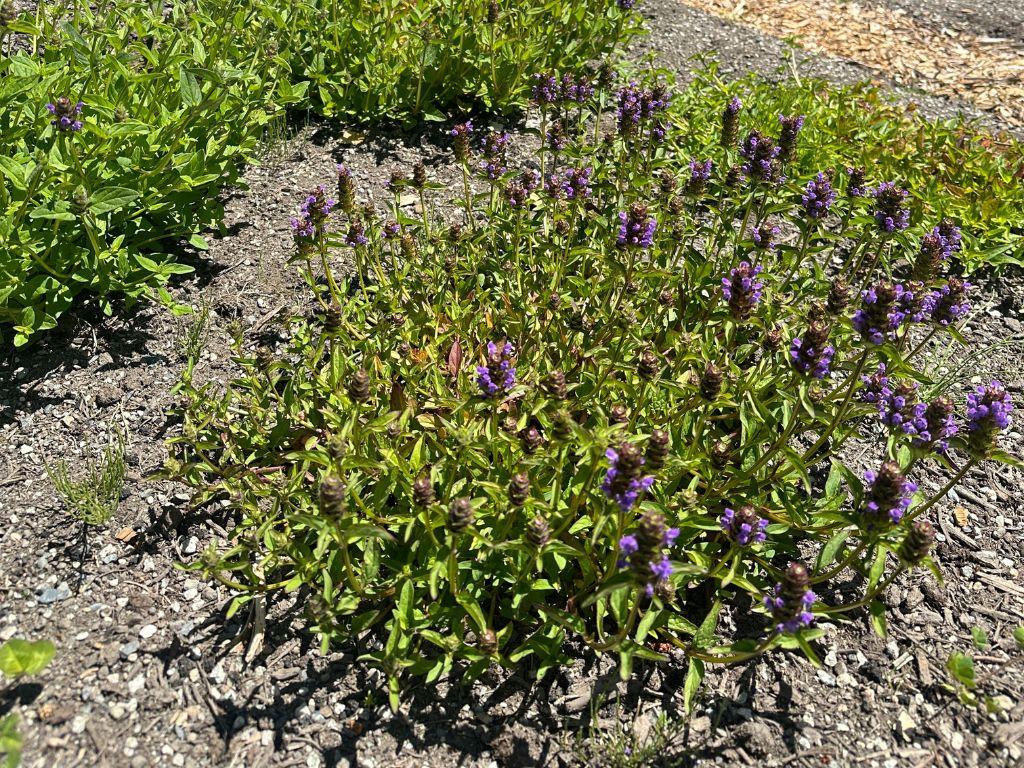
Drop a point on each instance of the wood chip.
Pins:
(126, 534)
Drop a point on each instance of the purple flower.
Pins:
(516, 194)
(391, 230)
(624, 482)
(356, 234)
(791, 600)
(636, 105)
(988, 413)
(545, 89)
(900, 407)
(818, 196)
(812, 354)
(789, 130)
(309, 226)
(890, 215)
(495, 152)
(765, 237)
(65, 114)
(742, 290)
(576, 183)
(461, 134)
(626, 5)
(744, 526)
(875, 387)
(644, 551)
(880, 314)
(939, 426)
(530, 179)
(949, 304)
(730, 122)
(700, 173)
(498, 376)
(762, 158)
(855, 187)
(575, 90)
(636, 228)
(887, 497)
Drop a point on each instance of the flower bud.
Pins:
(711, 382)
(493, 12)
(519, 489)
(538, 532)
(264, 358)
(772, 338)
(838, 296)
(346, 190)
(561, 426)
(80, 201)
(423, 492)
(618, 414)
(721, 453)
(649, 366)
(488, 643)
(359, 386)
(555, 386)
(531, 439)
(917, 543)
(337, 448)
(666, 298)
(460, 515)
(333, 318)
(419, 175)
(657, 450)
(8, 13)
(332, 496)
(795, 582)
(665, 590)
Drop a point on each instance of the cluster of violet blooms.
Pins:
(637, 107)
(497, 376)
(66, 114)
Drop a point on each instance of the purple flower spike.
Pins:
(901, 409)
(762, 159)
(498, 376)
(495, 152)
(624, 482)
(644, 551)
(988, 414)
(576, 183)
(890, 215)
(881, 314)
(887, 497)
(700, 173)
(765, 237)
(744, 527)
(65, 114)
(789, 130)
(875, 387)
(742, 290)
(939, 426)
(818, 197)
(636, 228)
(812, 354)
(791, 600)
(545, 90)
(949, 304)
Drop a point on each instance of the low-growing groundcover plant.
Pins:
(120, 123)
(607, 402)
(19, 658)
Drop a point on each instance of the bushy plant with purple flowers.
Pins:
(602, 410)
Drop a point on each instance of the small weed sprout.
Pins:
(193, 333)
(95, 496)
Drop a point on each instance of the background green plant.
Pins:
(19, 658)
(954, 168)
(96, 494)
(322, 449)
(178, 97)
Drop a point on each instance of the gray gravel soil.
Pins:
(151, 672)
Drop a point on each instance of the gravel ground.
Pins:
(994, 18)
(151, 672)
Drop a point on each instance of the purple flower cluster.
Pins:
(636, 228)
(624, 482)
(497, 376)
(742, 290)
(495, 152)
(65, 114)
(988, 413)
(545, 89)
(762, 158)
(875, 387)
(731, 122)
(812, 354)
(356, 234)
(949, 304)
(575, 183)
(890, 215)
(939, 426)
(818, 196)
(313, 214)
(887, 497)
(575, 90)
(881, 313)
(789, 130)
(744, 526)
(636, 105)
(644, 551)
(791, 600)
(461, 134)
(700, 173)
(855, 187)
(899, 407)
(766, 237)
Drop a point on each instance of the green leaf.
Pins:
(694, 678)
(980, 638)
(111, 199)
(706, 632)
(805, 646)
(877, 612)
(20, 657)
(10, 740)
(1018, 635)
(961, 667)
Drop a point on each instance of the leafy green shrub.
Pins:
(19, 658)
(612, 402)
(150, 115)
(404, 59)
(952, 168)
